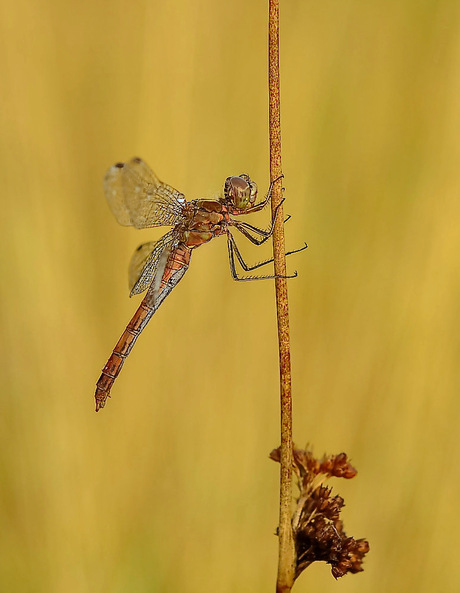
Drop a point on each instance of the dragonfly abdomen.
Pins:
(174, 271)
(124, 346)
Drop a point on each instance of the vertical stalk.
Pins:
(286, 555)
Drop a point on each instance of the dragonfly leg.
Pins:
(233, 250)
(245, 227)
(263, 263)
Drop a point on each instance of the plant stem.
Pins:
(286, 555)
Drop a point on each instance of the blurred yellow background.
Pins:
(170, 488)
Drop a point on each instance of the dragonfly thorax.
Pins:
(240, 192)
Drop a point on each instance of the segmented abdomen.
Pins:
(124, 346)
(174, 270)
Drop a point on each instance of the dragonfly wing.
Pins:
(148, 262)
(138, 198)
(114, 192)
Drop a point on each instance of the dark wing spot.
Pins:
(139, 248)
(137, 160)
(119, 165)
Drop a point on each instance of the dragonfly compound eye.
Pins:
(241, 191)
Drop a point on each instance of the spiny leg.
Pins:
(263, 263)
(269, 261)
(245, 227)
(233, 250)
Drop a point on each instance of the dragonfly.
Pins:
(138, 198)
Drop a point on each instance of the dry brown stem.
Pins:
(286, 556)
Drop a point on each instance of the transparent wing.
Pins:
(149, 261)
(138, 198)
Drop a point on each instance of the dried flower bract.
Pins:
(318, 530)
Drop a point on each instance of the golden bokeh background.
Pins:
(170, 487)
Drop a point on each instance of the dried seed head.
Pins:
(318, 530)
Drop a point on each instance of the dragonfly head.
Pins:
(240, 191)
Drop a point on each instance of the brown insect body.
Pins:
(138, 198)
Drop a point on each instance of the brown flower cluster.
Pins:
(317, 528)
